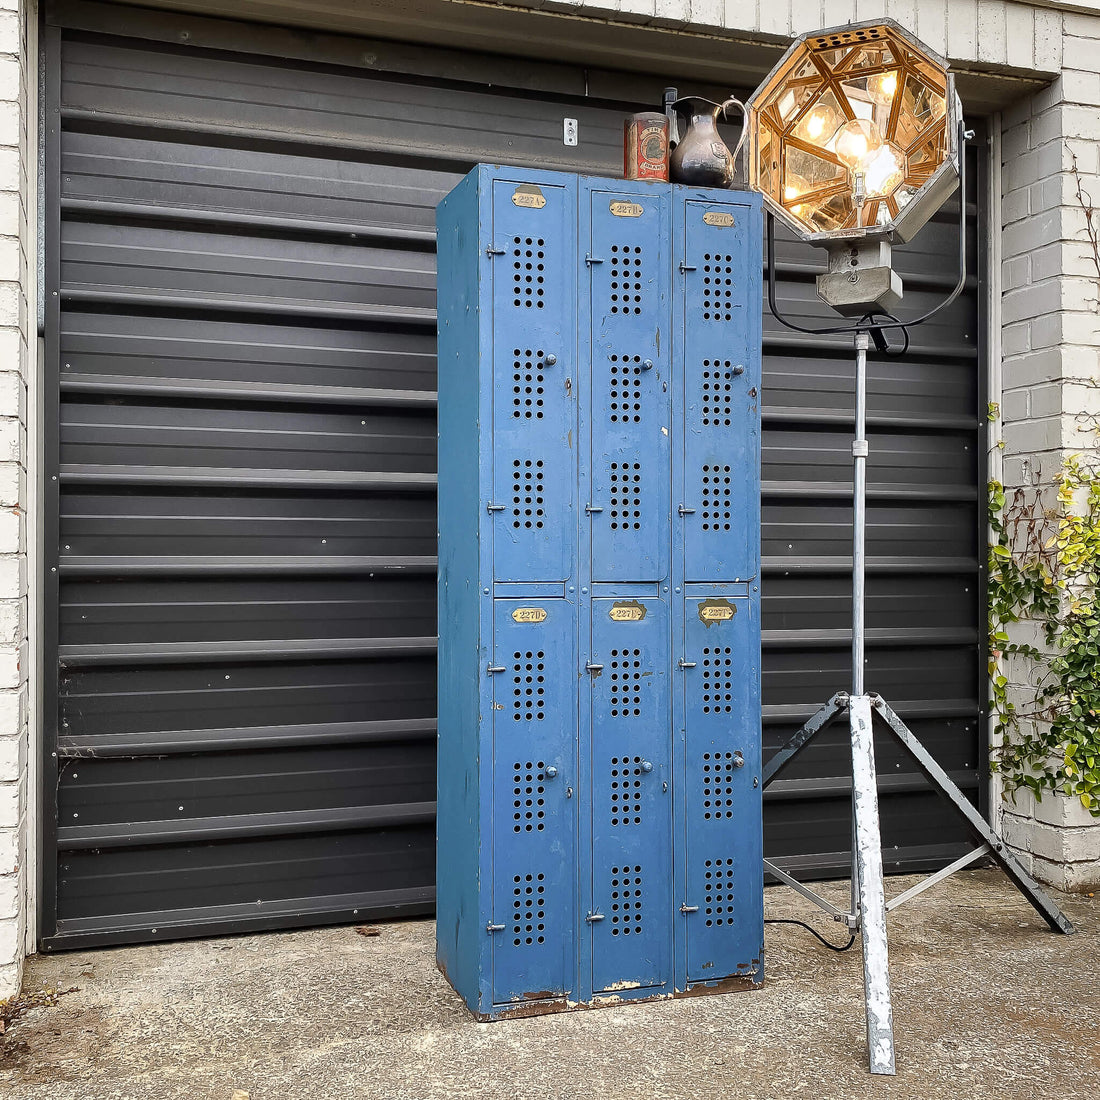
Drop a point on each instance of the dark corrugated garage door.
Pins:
(240, 336)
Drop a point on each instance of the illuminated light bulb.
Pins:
(818, 126)
(882, 86)
(883, 173)
(857, 143)
(794, 188)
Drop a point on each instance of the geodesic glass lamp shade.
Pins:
(855, 134)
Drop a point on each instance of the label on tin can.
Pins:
(645, 149)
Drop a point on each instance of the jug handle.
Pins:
(733, 101)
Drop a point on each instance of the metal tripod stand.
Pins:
(868, 905)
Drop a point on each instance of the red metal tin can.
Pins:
(645, 146)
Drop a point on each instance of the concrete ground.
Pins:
(987, 1003)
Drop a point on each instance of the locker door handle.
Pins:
(591, 509)
(646, 766)
(592, 918)
(682, 664)
(647, 364)
(738, 759)
(494, 668)
(590, 260)
(590, 667)
(491, 507)
(686, 267)
(689, 908)
(551, 359)
(491, 928)
(684, 510)
(552, 772)
(491, 251)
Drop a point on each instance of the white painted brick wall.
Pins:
(1051, 334)
(16, 161)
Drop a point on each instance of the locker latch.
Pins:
(494, 668)
(590, 260)
(686, 267)
(591, 508)
(491, 928)
(491, 251)
(593, 918)
(491, 507)
(684, 510)
(689, 908)
(682, 664)
(590, 667)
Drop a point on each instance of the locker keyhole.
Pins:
(719, 770)
(626, 900)
(717, 498)
(528, 384)
(718, 683)
(626, 790)
(717, 392)
(528, 912)
(529, 805)
(528, 272)
(718, 287)
(529, 686)
(718, 899)
(626, 393)
(626, 278)
(626, 496)
(527, 493)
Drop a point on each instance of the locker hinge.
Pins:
(593, 918)
(491, 928)
(590, 509)
(689, 908)
(491, 251)
(684, 510)
(686, 267)
(682, 664)
(590, 260)
(494, 668)
(491, 507)
(590, 667)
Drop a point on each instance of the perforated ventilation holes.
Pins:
(527, 271)
(626, 683)
(626, 278)
(626, 393)
(718, 287)
(717, 498)
(527, 384)
(528, 686)
(626, 496)
(528, 909)
(717, 392)
(529, 806)
(527, 493)
(626, 790)
(718, 680)
(626, 900)
(718, 899)
(718, 772)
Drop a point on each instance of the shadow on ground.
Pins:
(987, 1003)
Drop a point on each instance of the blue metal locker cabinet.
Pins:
(599, 715)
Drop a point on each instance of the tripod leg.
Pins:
(803, 737)
(942, 781)
(872, 893)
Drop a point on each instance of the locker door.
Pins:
(631, 801)
(721, 389)
(534, 737)
(629, 411)
(534, 379)
(722, 803)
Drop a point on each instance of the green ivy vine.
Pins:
(1044, 568)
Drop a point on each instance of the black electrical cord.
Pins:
(869, 322)
(815, 932)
